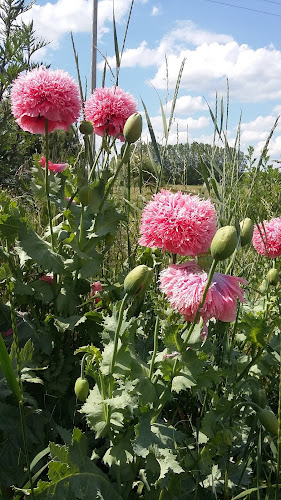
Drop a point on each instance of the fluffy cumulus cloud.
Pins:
(53, 20)
(188, 105)
(181, 128)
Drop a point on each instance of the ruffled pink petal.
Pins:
(55, 167)
(45, 94)
(180, 223)
(108, 109)
(267, 238)
(184, 285)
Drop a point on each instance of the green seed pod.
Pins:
(224, 243)
(133, 128)
(81, 389)
(85, 195)
(273, 276)
(268, 420)
(138, 280)
(263, 286)
(204, 260)
(247, 229)
(86, 128)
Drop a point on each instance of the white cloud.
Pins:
(53, 20)
(155, 10)
(187, 104)
(185, 32)
(180, 130)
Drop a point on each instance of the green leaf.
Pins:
(39, 250)
(72, 473)
(70, 323)
(106, 222)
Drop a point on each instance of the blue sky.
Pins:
(218, 41)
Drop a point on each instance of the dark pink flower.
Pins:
(48, 278)
(7, 333)
(55, 167)
(267, 238)
(179, 223)
(184, 286)
(45, 93)
(96, 287)
(108, 109)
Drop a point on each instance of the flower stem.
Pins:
(230, 265)
(81, 227)
(156, 331)
(278, 479)
(117, 333)
(197, 315)
(47, 187)
(21, 407)
(111, 185)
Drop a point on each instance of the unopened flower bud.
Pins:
(133, 128)
(81, 389)
(86, 128)
(247, 229)
(85, 195)
(224, 243)
(273, 276)
(138, 280)
(268, 420)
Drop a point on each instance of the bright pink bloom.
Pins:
(184, 286)
(96, 287)
(268, 243)
(48, 278)
(45, 93)
(108, 109)
(55, 167)
(179, 223)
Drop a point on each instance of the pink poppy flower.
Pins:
(55, 167)
(269, 244)
(108, 109)
(179, 223)
(45, 94)
(48, 278)
(184, 286)
(96, 287)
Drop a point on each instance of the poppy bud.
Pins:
(133, 128)
(85, 195)
(247, 229)
(138, 280)
(86, 128)
(224, 243)
(268, 420)
(81, 389)
(273, 276)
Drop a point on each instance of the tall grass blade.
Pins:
(126, 30)
(77, 69)
(152, 135)
(116, 48)
(175, 95)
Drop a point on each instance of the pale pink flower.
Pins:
(96, 287)
(48, 278)
(108, 109)
(267, 238)
(55, 167)
(68, 198)
(179, 223)
(184, 285)
(45, 93)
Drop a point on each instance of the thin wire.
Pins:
(244, 8)
(271, 1)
